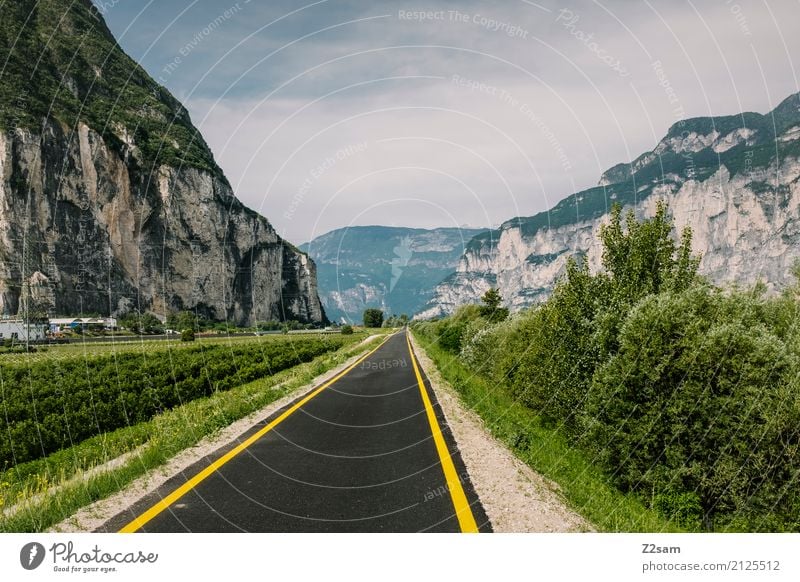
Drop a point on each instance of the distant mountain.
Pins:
(110, 199)
(392, 268)
(734, 180)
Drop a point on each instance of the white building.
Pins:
(84, 323)
(17, 331)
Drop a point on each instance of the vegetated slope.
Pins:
(110, 199)
(733, 180)
(392, 268)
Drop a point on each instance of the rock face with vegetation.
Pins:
(734, 180)
(391, 268)
(110, 199)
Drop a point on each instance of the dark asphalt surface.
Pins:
(358, 457)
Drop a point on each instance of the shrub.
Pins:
(347, 330)
(702, 400)
(450, 330)
(187, 335)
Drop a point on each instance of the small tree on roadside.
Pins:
(373, 317)
(347, 330)
(187, 335)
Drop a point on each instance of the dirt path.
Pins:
(516, 498)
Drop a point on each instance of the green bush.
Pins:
(560, 344)
(373, 317)
(702, 400)
(450, 330)
(187, 335)
(347, 330)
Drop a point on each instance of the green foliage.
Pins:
(145, 323)
(347, 330)
(683, 509)
(56, 486)
(450, 331)
(396, 321)
(181, 320)
(701, 401)
(492, 309)
(373, 317)
(558, 346)
(61, 62)
(550, 452)
(187, 335)
(687, 397)
(51, 404)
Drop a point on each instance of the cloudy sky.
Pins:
(331, 113)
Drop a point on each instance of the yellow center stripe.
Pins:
(164, 503)
(463, 511)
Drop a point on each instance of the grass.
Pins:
(51, 489)
(547, 451)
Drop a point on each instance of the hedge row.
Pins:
(50, 405)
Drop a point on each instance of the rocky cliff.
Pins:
(110, 200)
(392, 268)
(734, 180)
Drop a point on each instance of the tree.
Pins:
(563, 341)
(187, 335)
(181, 320)
(145, 323)
(492, 309)
(373, 317)
(150, 324)
(347, 330)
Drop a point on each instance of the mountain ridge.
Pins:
(391, 268)
(754, 159)
(92, 149)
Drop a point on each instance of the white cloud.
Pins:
(553, 114)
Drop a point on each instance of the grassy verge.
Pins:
(547, 451)
(49, 490)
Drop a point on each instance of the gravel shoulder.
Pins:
(515, 497)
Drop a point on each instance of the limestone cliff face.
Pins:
(735, 181)
(91, 233)
(110, 200)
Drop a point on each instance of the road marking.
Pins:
(164, 503)
(463, 511)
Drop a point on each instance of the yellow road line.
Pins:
(463, 511)
(164, 503)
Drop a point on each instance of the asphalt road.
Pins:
(369, 452)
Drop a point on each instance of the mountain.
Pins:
(110, 199)
(733, 180)
(392, 268)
